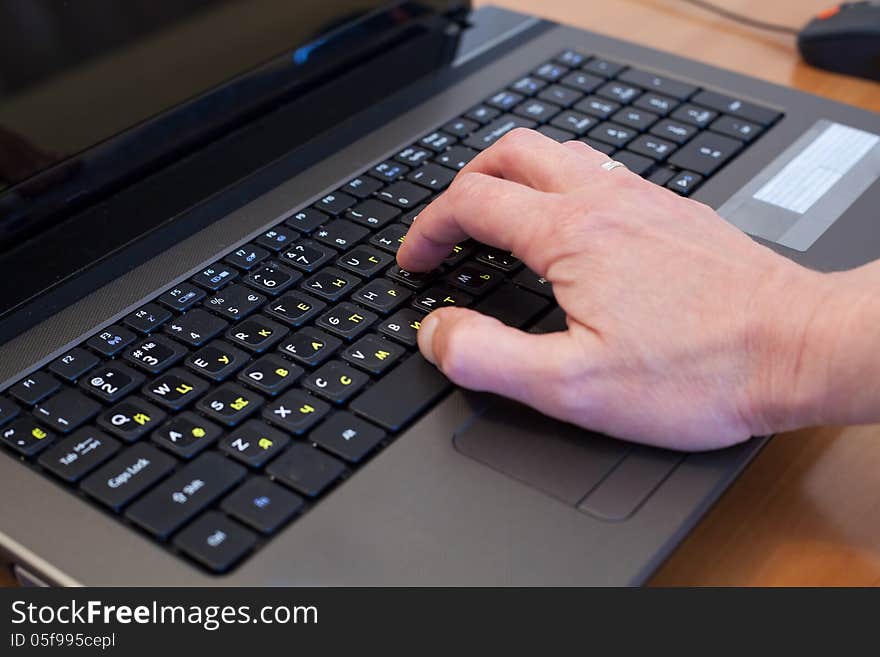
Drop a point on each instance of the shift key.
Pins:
(185, 494)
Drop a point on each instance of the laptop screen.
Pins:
(74, 75)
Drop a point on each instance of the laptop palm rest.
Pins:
(598, 475)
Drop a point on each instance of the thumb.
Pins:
(481, 353)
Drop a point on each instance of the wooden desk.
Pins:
(807, 512)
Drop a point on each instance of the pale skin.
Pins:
(683, 332)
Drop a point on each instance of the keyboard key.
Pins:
(635, 118)
(461, 127)
(598, 107)
(111, 340)
(296, 411)
(175, 389)
(346, 320)
(482, 114)
(661, 175)
(675, 131)
(604, 67)
(402, 326)
(660, 84)
(456, 158)
(685, 182)
(491, 133)
(531, 281)
(613, 134)
(705, 153)
(404, 194)
(381, 295)
(512, 305)
(310, 346)
(654, 147)
(111, 382)
(618, 92)
(120, 481)
(388, 171)
(277, 238)
(413, 156)
(372, 213)
(307, 255)
(215, 276)
(271, 375)
(474, 279)
(505, 100)
(362, 187)
(295, 308)
(390, 238)
(551, 71)
(335, 381)
(737, 128)
(432, 176)
(582, 81)
(75, 456)
(602, 147)
(182, 297)
(254, 443)
(66, 410)
(571, 58)
(560, 96)
(196, 327)
(552, 322)
(26, 436)
(186, 493)
(341, 234)
(8, 410)
(573, 122)
(373, 354)
(413, 280)
(217, 361)
(262, 505)
(147, 319)
(305, 221)
(34, 388)
(763, 116)
(154, 354)
(440, 296)
(556, 134)
(186, 435)
(73, 364)
(656, 103)
(234, 302)
(335, 203)
(503, 260)
(256, 334)
(638, 164)
(216, 542)
(402, 394)
(331, 284)
(347, 436)
(537, 110)
(696, 116)
(364, 261)
(306, 470)
(527, 86)
(272, 278)
(229, 404)
(247, 257)
(437, 141)
(131, 418)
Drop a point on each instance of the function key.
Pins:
(147, 318)
(658, 83)
(75, 456)
(705, 153)
(604, 67)
(362, 186)
(491, 133)
(73, 364)
(598, 107)
(262, 505)
(187, 435)
(736, 128)
(551, 71)
(130, 419)
(456, 158)
(272, 277)
(373, 354)
(196, 327)
(528, 86)
(111, 382)
(111, 340)
(735, 107)
(656, 103)
(583, 82)
(175, 389)
(347, 436)
(307, 255)
(684, 182)
(182, 296)
(437, 141)
(403, 326)
(388, 171)
(154, 354)
(404, 194)
(256, 334)
(335, 381)
(482, 114)
(247, 257)
(331, 284)
(215, 276)
(295, 411)
(310, 346)
(505, 100)
(341, 234)
(185, 494)
(8, 410)
(128, 475)
(216, 542)
(229, 404)
(336, 203)
(217, 361)
(346, 320)
(305, 221)
(698, 116)
(253, 443)
(67, 410)
(460, 127)
(306, 469)
(295, 308)
(271, 375)
(277, 238)
(559, 95)
(618, 92)
(571, 58)
(372, 213)
(34, 388)
(26, 436)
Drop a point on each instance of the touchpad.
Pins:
(559, 459)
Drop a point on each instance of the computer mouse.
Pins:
(844, 39)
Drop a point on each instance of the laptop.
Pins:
(208, 369)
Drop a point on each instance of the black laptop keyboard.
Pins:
(234, 401)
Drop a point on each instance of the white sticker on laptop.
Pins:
(800, 195)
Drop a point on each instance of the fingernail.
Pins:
(426, 337)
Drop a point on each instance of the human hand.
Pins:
(682, 331)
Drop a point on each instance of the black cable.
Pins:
(740, 18)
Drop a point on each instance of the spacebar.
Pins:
(402, 394)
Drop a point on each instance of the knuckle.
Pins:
(465, 184)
